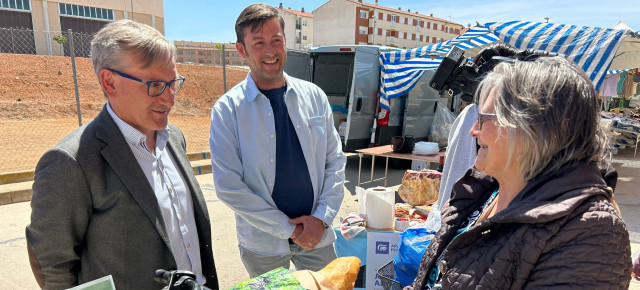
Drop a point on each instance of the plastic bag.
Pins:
(279, 278)
(441, 125)
(413, 243)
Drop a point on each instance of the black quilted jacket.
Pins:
(560, 232)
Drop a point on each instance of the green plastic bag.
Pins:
(279, 278)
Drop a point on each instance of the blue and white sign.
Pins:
(382, 247)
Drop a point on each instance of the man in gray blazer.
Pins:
(118, 196)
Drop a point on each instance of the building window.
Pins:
(405, 35)
(304, 22)
(418, 24)
(362, 30)
(304, 37)
(392, 38)
(384, 32)
(380, 15)
(83, 11)
(393, 20)
(363, 14)
(401, 19)
(15, 4)
(435, 26)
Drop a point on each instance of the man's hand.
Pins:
(312, 231)
(296, 232)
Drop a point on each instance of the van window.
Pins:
(332, 73)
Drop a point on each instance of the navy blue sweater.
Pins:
(292, 189)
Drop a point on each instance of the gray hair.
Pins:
(551, 105)
(116, 39)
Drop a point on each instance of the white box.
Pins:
(381, 248)
(418, 165)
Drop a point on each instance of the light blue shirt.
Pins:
(243, 155)
(174, 197)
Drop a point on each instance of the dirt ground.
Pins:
(38, 104)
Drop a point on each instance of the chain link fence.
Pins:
(27, 41)
(38, 101)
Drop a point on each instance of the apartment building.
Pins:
(35, 23)
(358, 22)
(207, 53)
(298, 28)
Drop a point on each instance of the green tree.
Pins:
(60, 39)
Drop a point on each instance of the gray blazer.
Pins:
(94, 213)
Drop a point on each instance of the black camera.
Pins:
(178, 280)
(457, 75)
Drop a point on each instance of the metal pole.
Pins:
(13, 42)
(75, 75)
(132, 10)
(224, 69)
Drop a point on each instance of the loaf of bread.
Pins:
(342, 272)
(420, 187)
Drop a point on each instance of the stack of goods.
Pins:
(409, 215)
(412, 213)
(420, 187)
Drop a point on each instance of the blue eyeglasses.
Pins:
(482, 117)
(155, 88)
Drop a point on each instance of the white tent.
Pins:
(597, 51)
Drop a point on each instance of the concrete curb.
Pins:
(15, 192)
(16, 186)
(195, 156)
(15, 177)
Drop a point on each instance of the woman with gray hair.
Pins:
(537, 209)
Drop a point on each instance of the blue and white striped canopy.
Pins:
(591, 48)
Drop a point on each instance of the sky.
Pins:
(213, 20)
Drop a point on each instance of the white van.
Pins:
(350, 77)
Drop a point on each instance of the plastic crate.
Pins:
(386, 274)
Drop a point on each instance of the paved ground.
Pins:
(14, 218)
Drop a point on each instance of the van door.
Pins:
(420, 108)
(363, 98)
(298, 64)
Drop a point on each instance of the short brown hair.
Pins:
(255, 16)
